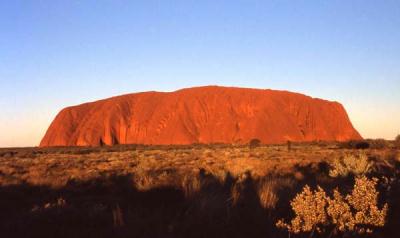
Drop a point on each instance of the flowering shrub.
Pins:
(350, 164)
(364, 199)
(340, 212)
(357, 212)
(309, 207)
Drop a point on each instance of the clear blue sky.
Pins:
(59, 53)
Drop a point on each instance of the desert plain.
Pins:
(199, 190)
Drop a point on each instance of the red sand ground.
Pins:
(201, 115)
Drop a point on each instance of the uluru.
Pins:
(209, 114)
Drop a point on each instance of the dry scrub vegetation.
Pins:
(307, 190)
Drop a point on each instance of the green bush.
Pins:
(254, 143)
(397, 141)
(378, 144)
(354, 144)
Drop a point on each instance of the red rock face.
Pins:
(201, 115)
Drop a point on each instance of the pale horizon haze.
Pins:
(55, 54)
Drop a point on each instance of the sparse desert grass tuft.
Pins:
(267, 195)
(191, 185)
(143, 181)
(238, 188)
(268, 188)
(118, 218)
